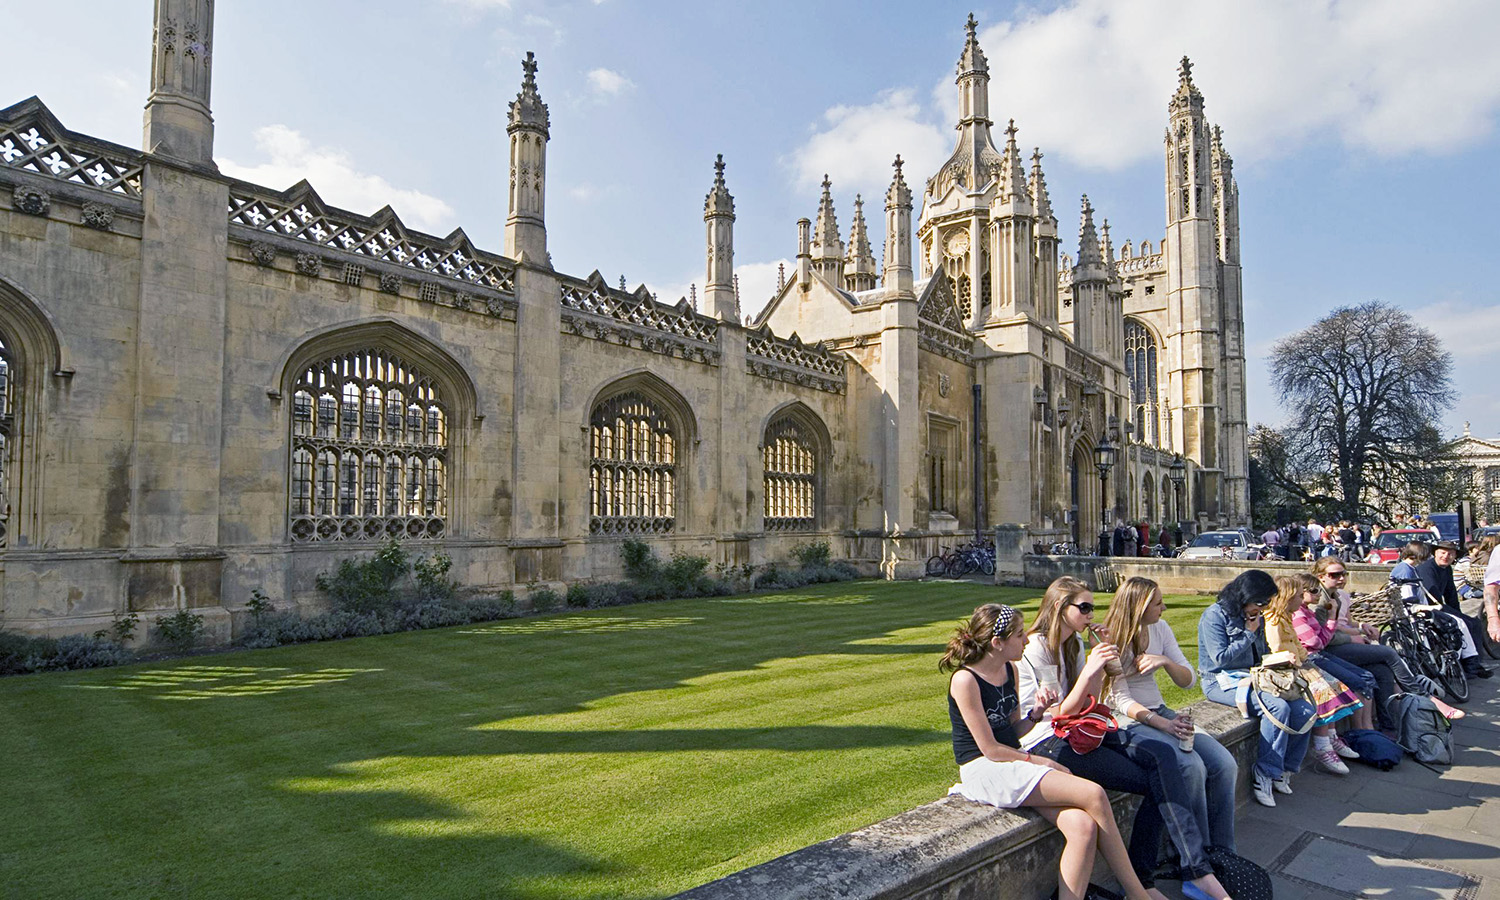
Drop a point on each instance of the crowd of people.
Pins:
(1053, 715)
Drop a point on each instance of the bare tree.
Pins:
(1365, 387)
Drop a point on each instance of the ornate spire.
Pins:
(1088, 238)
(527, 111)
(1012, 171)
(1222, 161)
(898, 195)
(972, 61)
(826, 241)
(1187, 96)
(859, 237)
(859, 266)
(1108, 249)
(1039, 197)
(719, 202)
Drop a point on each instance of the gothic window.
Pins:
(369, 451)
(1140, 366)
(942, 459)
(633, 470)
(790, 460)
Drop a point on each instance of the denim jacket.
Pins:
(1224, 646)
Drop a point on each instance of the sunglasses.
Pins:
(1085, 607)
(1339, 574)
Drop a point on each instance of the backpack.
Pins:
(1421, 730)
(1374, 748)
(1241, 878)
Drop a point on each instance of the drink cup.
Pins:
(1112, 668)
(1186, 743)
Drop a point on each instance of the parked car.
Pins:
(1390, 542)
(1221, 545)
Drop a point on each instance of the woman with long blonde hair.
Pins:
(1055, 665)
(1147, 646)
(1334, 698)
(984, 709)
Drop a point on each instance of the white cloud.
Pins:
(1091, 79)
(332, 173)
(757, 284)
(857, 144)
(609, 83)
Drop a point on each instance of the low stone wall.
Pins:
(951, 849)
(1174, 575)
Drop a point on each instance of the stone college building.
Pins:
(211, 386)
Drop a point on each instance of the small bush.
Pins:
(431, 573)
(684, 575)
(367, 586)
(545, 600)
(20, 653)
(122, 630)
(640, 563)
(180, 630)
(812, 555)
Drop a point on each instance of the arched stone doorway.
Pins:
(1083, 495)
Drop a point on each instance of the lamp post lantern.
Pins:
(1104, 460)
(1175, 472)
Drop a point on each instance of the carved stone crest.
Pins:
(98, 215)
(390, 283)
(263, 253)
(494, 306)
(309, 264)
(462, 300)
(32, 201)
(944, 384)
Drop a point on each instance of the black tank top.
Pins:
(999, 702)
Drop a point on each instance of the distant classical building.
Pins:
(212, 386)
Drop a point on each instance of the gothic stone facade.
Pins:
(211, 386)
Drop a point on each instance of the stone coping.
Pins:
(951, 848)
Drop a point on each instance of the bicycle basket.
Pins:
(1376, 608)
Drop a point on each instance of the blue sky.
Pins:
(1364, 134)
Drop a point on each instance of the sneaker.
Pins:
(1283, 785)
(1329, 762)
(1262, 789)
(1342, 749)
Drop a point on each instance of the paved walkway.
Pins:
(1407, 834)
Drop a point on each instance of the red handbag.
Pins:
(1085, 731)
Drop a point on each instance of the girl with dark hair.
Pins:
(1055, 666)
(985, 710)
(1231, 640)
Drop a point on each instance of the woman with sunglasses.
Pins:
(1324, 628)
(984, 709)
(1336, 685)
(1231, 640)
(1054, 664)
(1147, 646)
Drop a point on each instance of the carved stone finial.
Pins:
(1185, 71)
(529, 65)
(898, 195)
(972, 26)
(527, 111)
(719, 202)
(1010, 130)
(719, 170)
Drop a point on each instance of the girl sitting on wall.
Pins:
(1055, 665)
(1147, 647)
(985, 711)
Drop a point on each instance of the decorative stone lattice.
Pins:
(35, 142)
(98, 215)
(596, 311)
(940, 329)
(32, 201)
(794, 362)
(301, 215)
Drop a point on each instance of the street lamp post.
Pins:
(1175, 472)
(1104, 460)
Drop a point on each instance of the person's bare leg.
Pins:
(1451, 712)
(1077, 862)
(1364, 716)
(1059, 790)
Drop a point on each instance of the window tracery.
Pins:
(790, 460)
(633, 467)
(370, 451)
(1140, 366)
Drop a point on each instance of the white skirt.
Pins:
(1002, 784)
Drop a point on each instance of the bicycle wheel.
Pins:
(936, 564)
(959, 566)
(987, 563)
(1451, 675)
(1399, 638)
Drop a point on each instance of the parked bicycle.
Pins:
(1430, 643)
(956, 562)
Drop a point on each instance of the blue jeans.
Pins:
(1278, 751)
(1359, 680)
(1209, 771)
(1111, 769)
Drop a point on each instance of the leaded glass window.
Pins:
(633, 467)
(370, 452)
(790, 460)
(1140, 366)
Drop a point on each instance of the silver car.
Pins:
(1221, 545)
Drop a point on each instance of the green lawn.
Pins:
(629, 752)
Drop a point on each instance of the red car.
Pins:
(1390, 542)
